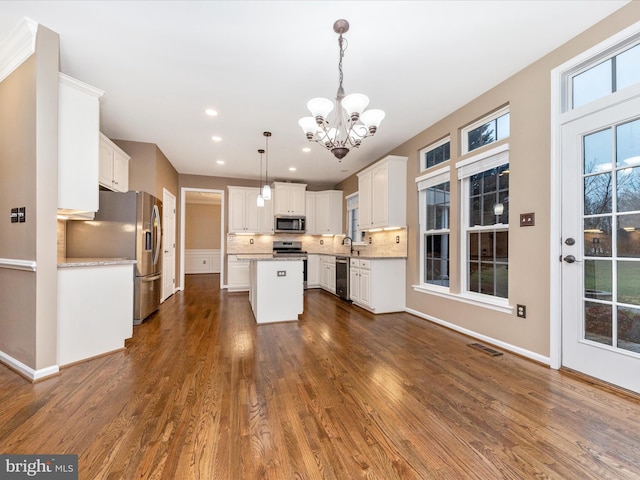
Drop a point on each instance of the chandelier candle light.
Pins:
(350, 123)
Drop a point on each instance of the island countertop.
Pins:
(93, 262)
(269, 257)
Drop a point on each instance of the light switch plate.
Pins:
(527, 219)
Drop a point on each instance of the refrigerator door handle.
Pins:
(155, 221)
(151, 279)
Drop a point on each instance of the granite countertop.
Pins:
(93, 262)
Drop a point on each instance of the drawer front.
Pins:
(354, 262)
(365, 264)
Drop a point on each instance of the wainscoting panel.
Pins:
(199, 260)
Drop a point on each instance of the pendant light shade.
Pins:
(266, 189)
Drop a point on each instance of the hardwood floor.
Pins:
(203, 393)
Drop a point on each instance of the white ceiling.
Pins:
(161, 63)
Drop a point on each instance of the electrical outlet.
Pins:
(521, 311)
(369, 240)
(282, 273)
(251, 241)
(397, 238)
(321, 242)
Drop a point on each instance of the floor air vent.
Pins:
(485, 349)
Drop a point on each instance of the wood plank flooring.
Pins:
(201, 392)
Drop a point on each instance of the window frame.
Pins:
(433, 146)
(423, 183)
(464, 132)
(349, 208)
(495, 157)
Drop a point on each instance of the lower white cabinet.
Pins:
(238, 277)
(378, 285)
(313, 271)
(328, 273)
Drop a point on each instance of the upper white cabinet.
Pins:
(114, 166)
(243, 210)
(324, 212)
(78, 130)
(289, 198)
(244, 214)
(382, 194)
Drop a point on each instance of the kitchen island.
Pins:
(276, 289)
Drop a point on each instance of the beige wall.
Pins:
(202, 226)
(28, 161)
(528, 94)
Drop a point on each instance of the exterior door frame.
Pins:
(559, 116)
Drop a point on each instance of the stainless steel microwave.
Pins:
(285, 224)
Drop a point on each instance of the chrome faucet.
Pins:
(350, 244)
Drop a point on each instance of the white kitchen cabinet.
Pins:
(78, 146)
(378, 285)
(382, 194)
(328, 273)
(324, 212)
(289, 198)
(238, 277)
(114, 166)
(244, 213)
(276, 293)
(313, 271)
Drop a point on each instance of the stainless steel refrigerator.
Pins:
(127, 225)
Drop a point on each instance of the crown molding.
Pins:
(17, 47)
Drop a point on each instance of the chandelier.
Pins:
(350, 123)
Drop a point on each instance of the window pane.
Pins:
(437, 155)
(628, 143)
(437, 207)
(597, 279)
(502, 246)
(482, 135)
(598, 324)
(503, 126)
(629, 329)
(598, 194)
(437, 259)
(627, 71)
(597, 152)
(502, 281)
(629, 235)
(597, 237)
(628, 189)
(629, 282)
(592, 84)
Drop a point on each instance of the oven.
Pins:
(283, 248)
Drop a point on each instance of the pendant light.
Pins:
(260, 197)
(266, 189)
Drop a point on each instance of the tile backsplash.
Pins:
(383, 244)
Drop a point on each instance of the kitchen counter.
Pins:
(93, 262)
(269, 256)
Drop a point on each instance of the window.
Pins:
(488, 130)
(434, 154)
(609, 76)
(434, 196)
(352, 218)
(485, 203)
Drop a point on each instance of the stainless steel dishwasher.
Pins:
(342, 277)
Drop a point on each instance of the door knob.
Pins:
(570, 241)
(569, 259)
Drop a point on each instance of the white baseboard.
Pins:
(498, 343)
(27, 372)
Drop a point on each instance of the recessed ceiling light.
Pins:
(220, 162)
(215, 138)
(211, 112)
(292, 169)
(306, 149)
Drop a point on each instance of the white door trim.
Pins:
(167, 194)
(558, 118)
(223, 242)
